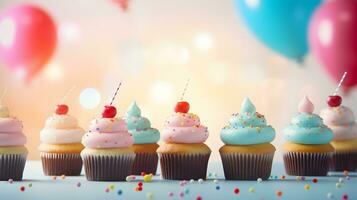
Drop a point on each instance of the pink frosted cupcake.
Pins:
(13, 153)
(108, 153)
(184, 155)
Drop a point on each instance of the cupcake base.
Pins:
(342, 161)
(145, 162)
(307, 164)
(108, 167)
(246, 166)
(184, 166)
(57, 164)
(12, 166)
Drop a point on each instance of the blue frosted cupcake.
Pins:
(247, 153)
(307, 150)
(145, 141)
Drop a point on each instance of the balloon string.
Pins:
(3, 95)
(340, 83)
(185, 89)
(115, 94)
(67, 93)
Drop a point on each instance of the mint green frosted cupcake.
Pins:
(247, 153)
(145, 141)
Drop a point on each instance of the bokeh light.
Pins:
(89, 98)
(7, 32)
(161, 92)
(53, 71)
(69, 32)
(203, 41)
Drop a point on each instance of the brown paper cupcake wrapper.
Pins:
(245, 166)
(307, 164)
(57, 164)
(145, 162)
(108, 167)
(184, 166)
(342, 161)
(12, 166)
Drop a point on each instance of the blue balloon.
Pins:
(280, 24)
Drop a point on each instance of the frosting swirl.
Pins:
(107, 133)
(184, 128)
(342, 122)
(247, 127)
(306, 127)
(61, 129)
(10, 129)
(140, 127)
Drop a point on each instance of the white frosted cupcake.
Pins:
(61, 144)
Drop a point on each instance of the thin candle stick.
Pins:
(185, 89)
(115, 94)
(67, 93)
(340, 83)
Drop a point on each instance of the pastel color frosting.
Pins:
(247, 127)
(184, 128)
(11, 133)
(307, 127)
(140, 127)
(61, 129)
(342, 122)
(107, 133)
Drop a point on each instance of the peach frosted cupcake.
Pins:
(13, 152)
(184, 155)
(61, 144)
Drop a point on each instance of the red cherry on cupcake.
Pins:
(61, 109)
(334, 101)
(182, 107)
(109, 112)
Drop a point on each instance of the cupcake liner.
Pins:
(108, 167)
(12, 166)
(57, 164)
(342, 161)
(307, 164)
(184, 166)
(145, 162)
(247, 166)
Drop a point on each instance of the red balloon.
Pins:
(333, 39)
(28, 38)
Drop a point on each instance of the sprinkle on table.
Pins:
(22, 188)
(251, 190)
(259, 180)
(148, 178)
(279, 193)
(344, 197)
(236, 190)
(170, 194)
(314, 180)
(198, 198)
(200, 181)
(218, 187)
(30, 185)
(307, 187)
(79, 184)
(329, 195)
(149, 195)
(181, 194)
(338, 185)
(10, 181)
(120, 192)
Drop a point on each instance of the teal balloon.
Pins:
(282, 25)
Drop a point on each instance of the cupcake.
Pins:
(13, 153)
(145, 139)
(247, 153)
(342, 122)
(307, 151)
(184, 156)
(108, 153)
(61, 144)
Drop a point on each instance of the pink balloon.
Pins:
(27, 38)
(333, 39)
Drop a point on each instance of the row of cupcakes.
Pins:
(114, 148)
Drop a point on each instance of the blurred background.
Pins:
(153, 47)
